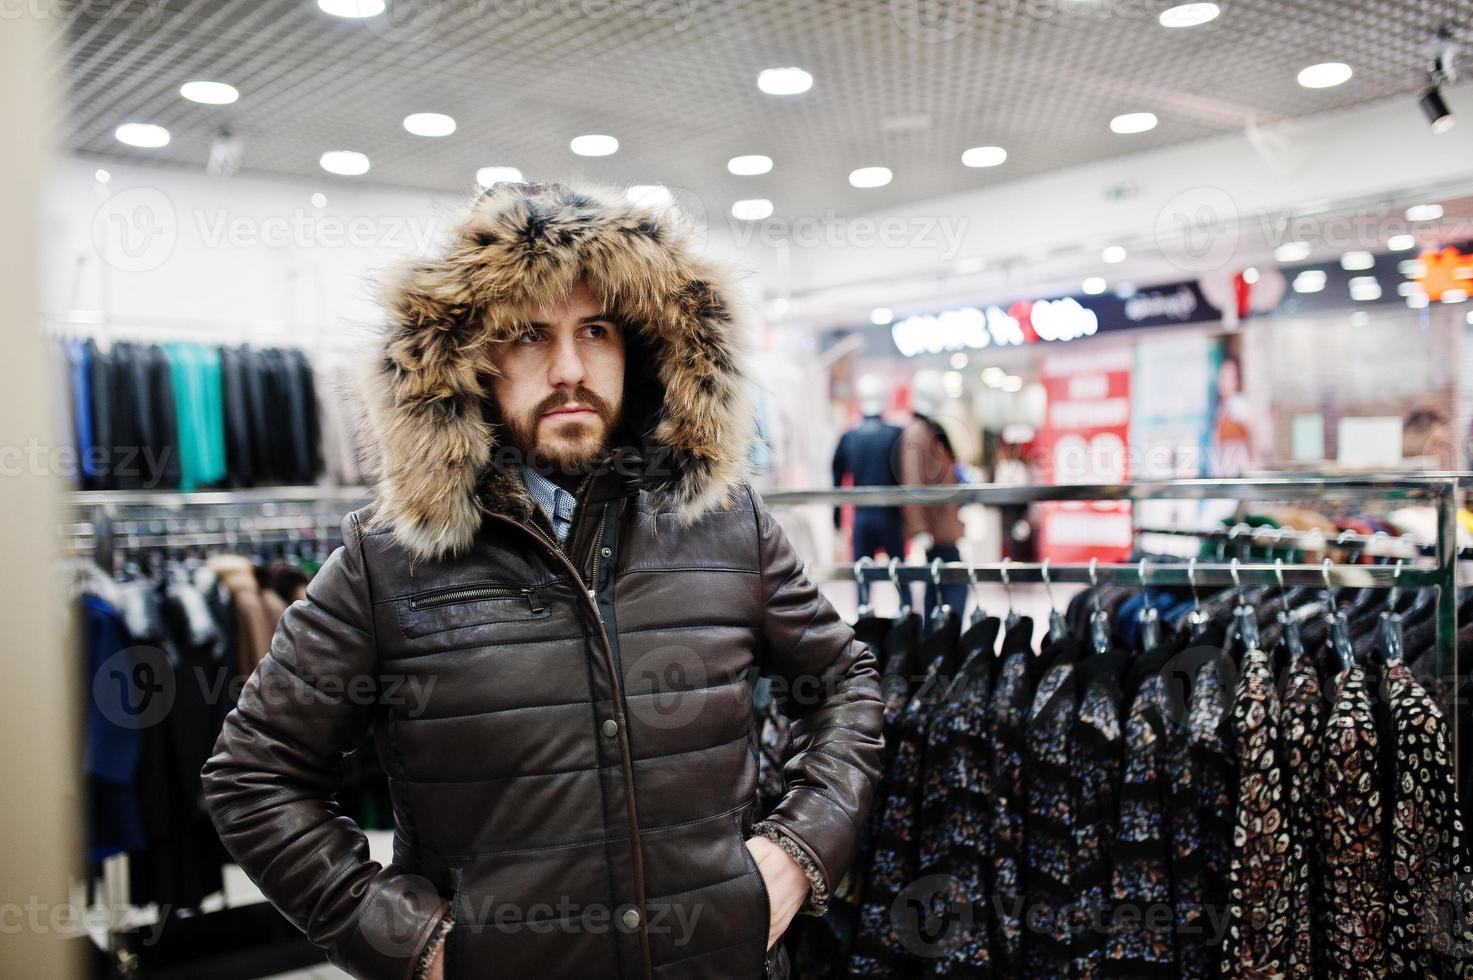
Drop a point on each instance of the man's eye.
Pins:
(529, 337)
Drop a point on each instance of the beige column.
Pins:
(40, 802)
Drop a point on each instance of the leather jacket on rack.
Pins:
(567, 728)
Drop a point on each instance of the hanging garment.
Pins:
(893, 942)
(1301, 735)
(1096, 754)
(1048, 825)
(1257, 938)
(113, 745)
(1427, 923)
(1007, 716)
(954, 811)
(1201, 806)
(1140, 945)
(1353, 813)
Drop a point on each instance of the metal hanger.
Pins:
(901, 591)
(1390, 631)
(1197, 619)
(1338, 638)
(978, 614)
(1056, 626)
(859, 583)
(1288, 624)
(1148, 618)
(1244, 615)
(1099, 620)
(1007, 585)
(940, 610)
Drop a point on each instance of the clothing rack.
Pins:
(106, 524)
(1438, 490)
(1370, 545)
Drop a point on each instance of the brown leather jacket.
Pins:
(567, 728)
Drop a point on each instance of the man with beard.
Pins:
(552, 617)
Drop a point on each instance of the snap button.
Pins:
(611, 728)
(606, 552)
(631, 918)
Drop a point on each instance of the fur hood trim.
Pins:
(428, 392)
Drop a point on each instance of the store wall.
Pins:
(40, 766)
(247, 255)
(1314, 383)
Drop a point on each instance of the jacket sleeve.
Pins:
(270, 784)
(827, 683)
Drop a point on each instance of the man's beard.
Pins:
(570, 447)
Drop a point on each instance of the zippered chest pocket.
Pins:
(474, 604)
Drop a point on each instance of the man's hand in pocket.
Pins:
(787, 885)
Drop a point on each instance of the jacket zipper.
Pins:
(478, 592)
(615, 686)
(598, 549)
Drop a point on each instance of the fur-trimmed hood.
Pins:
(428, 392)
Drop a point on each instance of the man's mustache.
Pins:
(581, 396)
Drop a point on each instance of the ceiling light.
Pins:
(993, 377)
(784, 81)
(1439, 116)
(1133, 122)
(1455, 295)
(984, 156)
(355, 9)
(209, 93)
(1188, 15)
(958, 360)
(754, 209)
(1250, 274)
(594, 145)
(1112, 255)
(429, 124)
(1401, 243)
(1292, 252)
(1326, 75)
(1012, 383)
(146, 135)
(1469, 318)
(347, 163)
(1417, 302)
(870, 177)
(1357, 261)
(1093, 286)
(101, 176)
(319, 200)
(751, 165)
(486, 176)
(1424, 212)
(1408, 288)
(1364, 289)
(881, 316)
(1412, 268)
(1310, 281)
(650, 195)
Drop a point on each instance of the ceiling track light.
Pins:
(1441, 69)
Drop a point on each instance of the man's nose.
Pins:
(567, 364)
